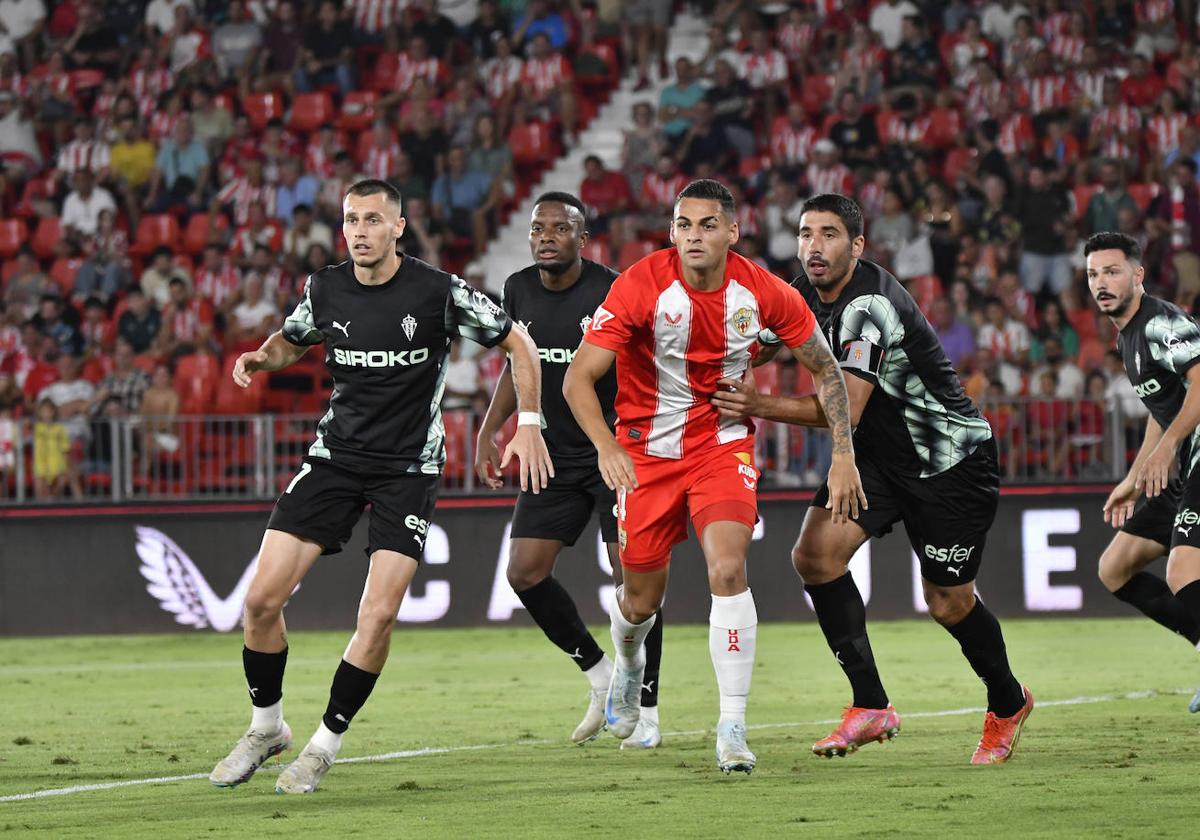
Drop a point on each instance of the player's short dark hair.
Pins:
(710, 190)
(1111, 240)
(564, 198)
(372, 186)
(844, 208)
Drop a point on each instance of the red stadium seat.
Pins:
(196, 377)
(63, 272)
(46, 236)
(35, 190)
(358, 111)
(1142, 194)
(153, 231)
(386, 67)
(1083, 197)
(8, 269)
(201, 229)
(458, 434)
(310, 111)
(597, 250)
(261, 108)
(13, 233)
(233, 399)
(531, 144)
(631, 252)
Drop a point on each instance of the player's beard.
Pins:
(835, 272)
(1121, 307)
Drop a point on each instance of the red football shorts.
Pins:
(716, 485)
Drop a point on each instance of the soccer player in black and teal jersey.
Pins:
(386, 322)
(1160, 345)
(927, 459)
(554, 299)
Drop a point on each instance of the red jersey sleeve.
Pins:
(784, 311)
(615, 320)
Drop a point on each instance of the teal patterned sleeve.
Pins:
(869, 326)
(472, 314)
(1174, 341)
(301, 326)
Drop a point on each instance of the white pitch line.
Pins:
(424, 751)
(107, 667)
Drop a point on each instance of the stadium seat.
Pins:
(35, 190)
(631, 252)
(63, 272)
(153, 231)
(196, 376)
(310, 111)
(1083, 197)
(386, 67)
(531, 144)
(458, 435)
(596, 250)
(358, 111)
(8, 269)
(46, 236)
(13, 233)
(1142, 194)
(200, 230)
(261, 108)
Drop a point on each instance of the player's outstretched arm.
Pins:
(276, 353)
(1155, 472)
(527, 444)
(1118, 507)
(503, 404)
(591, 362)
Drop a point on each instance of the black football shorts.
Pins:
(562, 510)
(1170, 518)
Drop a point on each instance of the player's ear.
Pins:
(1139, 274)
(858, 246)
(735, 233)
(671, 231)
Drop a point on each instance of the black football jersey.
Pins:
(1158, 345)
(918, 421)
(557, 320)
(386, 347)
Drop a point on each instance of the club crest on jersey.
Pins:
(585, 322)
(742, 320)
(409, 325)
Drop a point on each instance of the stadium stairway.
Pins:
(509, 250)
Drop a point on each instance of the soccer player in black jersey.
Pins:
(1160, 345)
(554, 300)
(386, 322)
(927, 459)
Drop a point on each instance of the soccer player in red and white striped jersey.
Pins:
(676, 324)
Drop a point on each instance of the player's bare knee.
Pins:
(1111, 571)
(375, 621)
(814, 566)
(263, 607)
(522, 577)
(949, 606)
(727, 576)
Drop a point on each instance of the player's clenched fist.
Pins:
(616, 467)
(247, 364)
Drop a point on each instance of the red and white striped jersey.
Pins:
(185, 323)
(747, 219)
(380, 161)
(833, 179)
(241, 194)
(1119, 118)
(1068, 49)
(827, 8)
(1046, 93)
(374, 16)
(150, 81)
(318, 160)
(220, 285)
(791, 144)
(870, 199)
(1154, 11)
(162, 125)
(1055, 26)
(1091, 85)
(795, 40)
(78, 155)
(673, 343)
(896, 130)
(982, 99)
(764, 69)
(1016, 135)
(59, 83)
(499, 76)
(543, 76)
(18, 84)
(658, 191)
(1162, 132)
(408, 70)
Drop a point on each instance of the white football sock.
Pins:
(629, 639)
(327, 739)
(650, 714)
(600, 674)
(268, 719)
(733, 626)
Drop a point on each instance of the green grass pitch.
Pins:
(1109, 752)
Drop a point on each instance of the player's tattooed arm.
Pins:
(274, 354)
(827, 376)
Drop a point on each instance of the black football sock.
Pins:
(843, 620)
(552, 608)
(653, 661)
(1150, 594)
(351, 688)
(982, 644)
(264, 675)
(1189, 597)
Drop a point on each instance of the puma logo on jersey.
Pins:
(380, 358)
(345, 328)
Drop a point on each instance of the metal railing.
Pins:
(253, 457)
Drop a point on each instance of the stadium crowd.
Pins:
(172, 169)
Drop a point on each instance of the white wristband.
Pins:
(529, 418)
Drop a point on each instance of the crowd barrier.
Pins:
(185, 567)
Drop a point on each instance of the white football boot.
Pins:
(622, 708)
(646, 735)
(732, 752)
(251, 751)
(305, 773)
